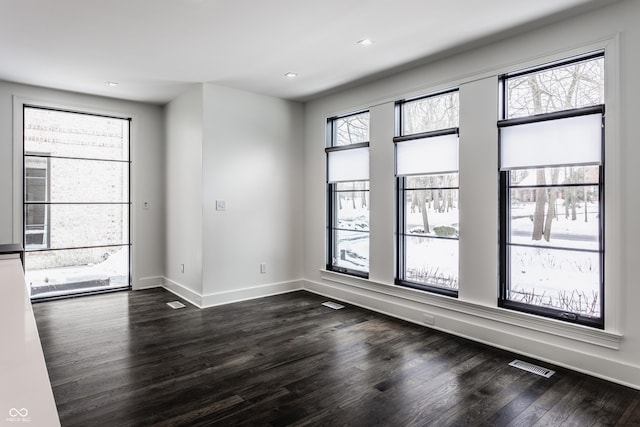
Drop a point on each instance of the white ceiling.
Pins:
(155, 48)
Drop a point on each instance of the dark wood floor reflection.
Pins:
(127, 359)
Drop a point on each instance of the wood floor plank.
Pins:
(631, 415)
(127, 359)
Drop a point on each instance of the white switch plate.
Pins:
(145, 204)
(263, 267)
(221, 205)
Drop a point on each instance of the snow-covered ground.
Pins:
(565, 279)
(428, 260)
(353, 246)
(113, 272)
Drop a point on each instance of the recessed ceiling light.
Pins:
(111, 84)
(365, 42)
(291, 75)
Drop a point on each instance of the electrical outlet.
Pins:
(263, 267)
(221, 205)
(145, 205)
(181, 268)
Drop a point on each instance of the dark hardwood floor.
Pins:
(127, 359)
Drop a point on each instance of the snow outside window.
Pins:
(551, 191)
(426, 154)
(348, 194)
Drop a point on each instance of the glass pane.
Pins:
(59, 133)
(348, 165)
(431, 261)
(431, 113)
(35, 237)
(560, 279)
(80, 181)
(570, 141)
(352, 186)
(351, 250)
(577, 85)
(563, 175)
(351, 210)
(35, 188)
(431, 181)
(351, 129)
(560, 216)
(438, 154)
(35, 216)
(432, 212)
(84, 225)
(52, 273)
(36, 173)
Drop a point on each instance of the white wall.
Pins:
(147, 171)
(613, 353)
(244, 149)
(183, 184)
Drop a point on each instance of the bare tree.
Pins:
(551, 209)
(541, 200)
(436, 112)
(424, 115)
(422, 199)
(352, 129)
(554, 90)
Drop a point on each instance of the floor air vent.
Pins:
(333, 305)
(529, 367)
(176, 304)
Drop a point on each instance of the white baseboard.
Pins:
(236, 295)
(228, 297)
(183, 292)
(147, 283)
(582, 357)
(522, 342)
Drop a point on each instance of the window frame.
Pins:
(505, 187)
(49, 156)
(400, 195)
(332, 193)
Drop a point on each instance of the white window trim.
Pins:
(472, 312)
(613, 280)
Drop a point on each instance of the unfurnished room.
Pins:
(338, 213)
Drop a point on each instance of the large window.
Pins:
(348, 194)
(427, 192)
(551, 190)
(76, 202)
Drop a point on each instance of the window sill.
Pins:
(579, 333)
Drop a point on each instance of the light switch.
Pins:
(221, 205)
